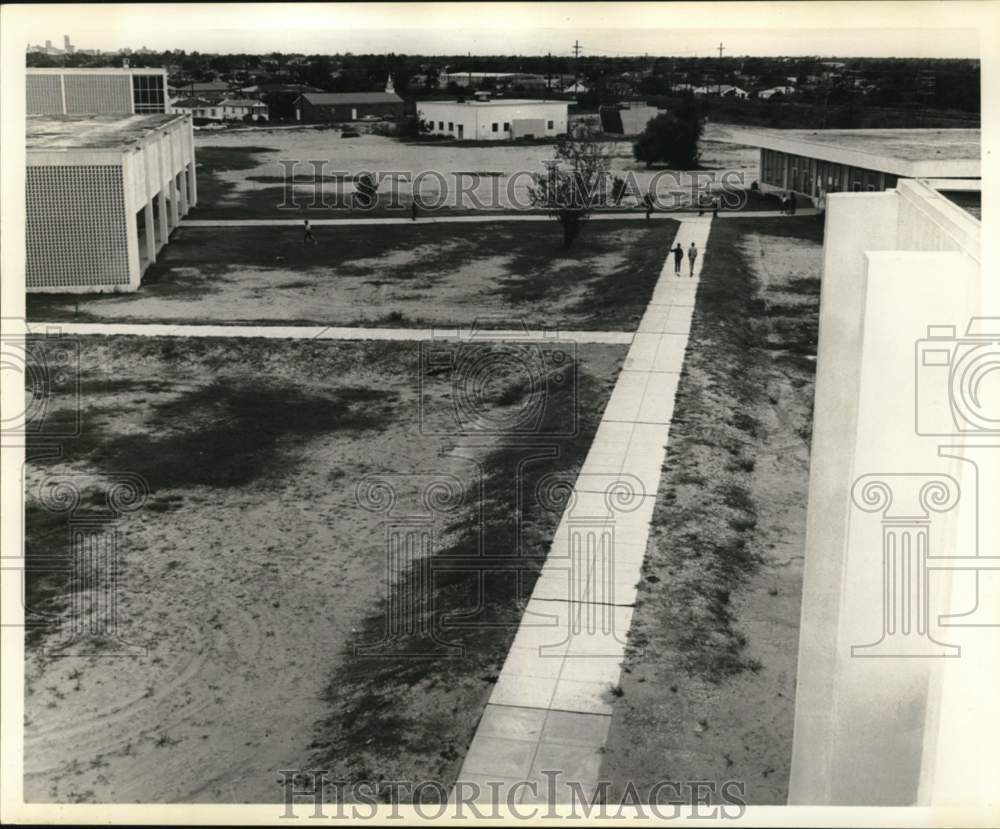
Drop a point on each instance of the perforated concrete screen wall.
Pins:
(76, 227)
(97, 94)
(43, 94)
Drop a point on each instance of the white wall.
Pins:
(478, 119)
(868, 727)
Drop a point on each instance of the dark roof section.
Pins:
(334, 98)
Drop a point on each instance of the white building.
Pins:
(103, 194)
(494, 120)
(902, 521)
(776, 90)
(237, 109)
(101, 91)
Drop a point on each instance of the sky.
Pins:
(680, 29)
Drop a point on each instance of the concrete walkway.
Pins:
(309, 332)
(551, 707)
(480, 217)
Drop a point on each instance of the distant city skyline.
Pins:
(681, 30)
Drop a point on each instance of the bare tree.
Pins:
(574, 182)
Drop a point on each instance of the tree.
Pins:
(671, 138)
(574, 182)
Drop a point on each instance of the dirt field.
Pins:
(708, 692)
(243, 173)
(255, 567)
(396, 275)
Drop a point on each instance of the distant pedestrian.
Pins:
(692, 256)
(308, 237)
(648, 201)
(678, 258)
(784, 203)
(413, 208)
(791, 203)
(715, 206)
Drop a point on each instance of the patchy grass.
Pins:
(711, 624)
(398, 275)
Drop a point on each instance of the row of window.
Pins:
(810, 175)
(496, 126)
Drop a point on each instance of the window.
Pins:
(451, 126)
(550, 125)
(148, 93)
(440, 126)
(495, 126)
(506, 126)
(215, 112)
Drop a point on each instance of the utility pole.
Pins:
(576, 62)
(548, 72)
(719, 85)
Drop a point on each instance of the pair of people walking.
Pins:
(692, 254)
(788, 203)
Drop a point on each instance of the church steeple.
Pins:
(389, 85)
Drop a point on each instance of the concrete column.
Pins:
(162, 210)
(173, 199)
(147, 214)
(192, 185)
(182, 186)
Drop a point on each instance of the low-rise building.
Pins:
(775, 90)
(239, 109)
(816, 162)
(103, 194)
(498, 119)
(326, 107)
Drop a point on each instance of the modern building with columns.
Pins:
(814, 163)
(103, 195)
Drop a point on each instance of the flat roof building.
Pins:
(347, 106)
(500, 119)
(96, 91)
(815, 162)
(102, 195)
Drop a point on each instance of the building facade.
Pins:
(897, 495)
(502, 119)
(328, 107)
(814, 163)
(103, 195)
(102, 91)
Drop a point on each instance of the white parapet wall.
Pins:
(896, 533)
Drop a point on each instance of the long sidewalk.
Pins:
(550, 710)
(311, 332)
(512, 216)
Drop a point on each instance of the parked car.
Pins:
(350, 134)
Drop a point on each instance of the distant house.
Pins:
(196, 107)
(776, 90)
(576, 89)
(724, 90)
(201, 89)
(325, 107)
(228, 109)
(238, 109)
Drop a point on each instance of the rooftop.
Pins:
(498, 102)
(352, 98)
(92, 132)
(905, 152)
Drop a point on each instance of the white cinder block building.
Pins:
(494, 120)
(102, 195)
(100, 91)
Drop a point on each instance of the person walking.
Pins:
(308, 236)
(715, 207)
(692, 256)
(678, 258)
(648, 201)
(791, 203)
(413, 207)
(784, 203)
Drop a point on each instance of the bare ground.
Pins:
(253, 570)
